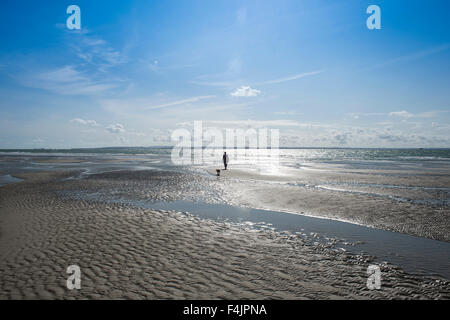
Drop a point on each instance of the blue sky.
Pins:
(137, 70)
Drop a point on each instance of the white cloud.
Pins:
(245, 91)
(91, 123)
(115, 128)
(359, 115)
(401, 114)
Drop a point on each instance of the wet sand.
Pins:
(126, 252)
(311, 192)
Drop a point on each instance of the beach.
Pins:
(54, 219)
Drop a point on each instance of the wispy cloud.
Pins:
(214, 83)
(410, 57)
(289, 78)
(231, 83)
(97, 52)
(179, 102)
(66, 80)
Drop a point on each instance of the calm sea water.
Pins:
(364, 158)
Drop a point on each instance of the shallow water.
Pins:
(7, 179)
(414, 254)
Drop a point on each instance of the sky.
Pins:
(139, 69)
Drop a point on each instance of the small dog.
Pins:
(218, 172)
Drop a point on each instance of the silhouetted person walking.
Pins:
(225, 160)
